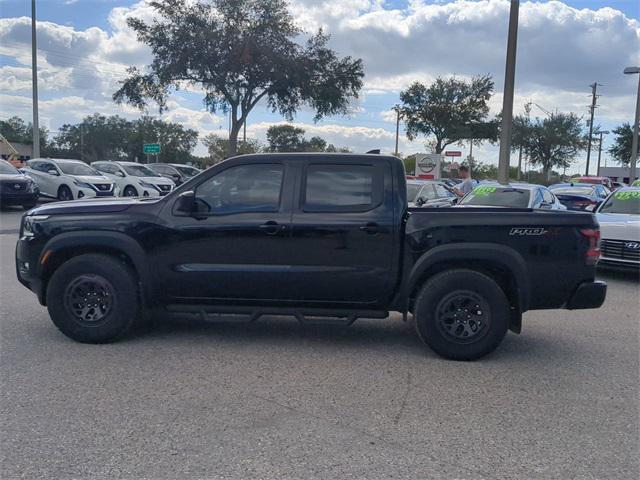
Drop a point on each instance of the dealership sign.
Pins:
(453, 153)
(428, 165)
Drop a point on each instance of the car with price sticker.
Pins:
(516, 195)
(619, 219)
(321, 237)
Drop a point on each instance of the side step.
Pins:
(306, 316)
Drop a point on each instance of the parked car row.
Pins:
(67, 179)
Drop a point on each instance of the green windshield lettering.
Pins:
(484, 190)
(627, 195)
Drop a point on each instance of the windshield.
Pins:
(77, 168)
(626, 202)
(412, 191)
(497, 197)
(7, 169)
(586, 191)
(139, 171)
(188, 171)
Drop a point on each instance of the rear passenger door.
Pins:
(342, 233)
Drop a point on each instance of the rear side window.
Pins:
(342, 188)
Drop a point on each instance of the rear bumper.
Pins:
(588, 295)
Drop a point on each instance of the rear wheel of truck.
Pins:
(461, 314)
(93, 298)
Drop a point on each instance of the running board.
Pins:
(306, 316)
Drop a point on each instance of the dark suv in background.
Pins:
(175, 171)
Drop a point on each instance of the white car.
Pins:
(619, 218)
(68, 179)
(134, 179)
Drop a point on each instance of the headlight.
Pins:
(146, 185)
(82, 184)
(29, 224)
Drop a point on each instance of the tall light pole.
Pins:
(592, 110)
(507, 101)
(634, 142)
(34, 82)
(600, 149)
(397, 109)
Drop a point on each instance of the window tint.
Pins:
(245, 188)
(341, 187)
(547, 196)
(427, 192)
(443, 192)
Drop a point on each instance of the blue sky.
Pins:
(85, 48)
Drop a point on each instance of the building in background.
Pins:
(617, 174)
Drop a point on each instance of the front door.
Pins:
(235, 246)
(343, 235)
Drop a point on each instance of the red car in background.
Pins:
(606, 181)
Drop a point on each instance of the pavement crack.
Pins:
(405, 398)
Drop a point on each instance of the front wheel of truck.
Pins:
(92, 298)
(461, 314)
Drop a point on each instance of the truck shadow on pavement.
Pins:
(391, 335)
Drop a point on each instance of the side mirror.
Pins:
(119, 174)
(185, 204)
(420, 201)
(53, 172)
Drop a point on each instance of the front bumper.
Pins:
(27, 265)
(588, 295)
(23, 198)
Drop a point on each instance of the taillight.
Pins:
(593, 252)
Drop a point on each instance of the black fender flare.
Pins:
(505, 257)
(103, 239)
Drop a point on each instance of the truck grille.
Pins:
(164, 188)
(102, 187)
(13, 187)
(620, 249)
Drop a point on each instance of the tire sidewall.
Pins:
(62, 189)
(125, 303)
(441, 285)
(129, 188)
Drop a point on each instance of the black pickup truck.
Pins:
(316, 236)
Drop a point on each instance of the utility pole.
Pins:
(34, 82)
(592, 109)
(636, 122)
(82, 141)
(397, 109)
(507, 102)
(600, 149)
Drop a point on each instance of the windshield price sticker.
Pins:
(484, 190)
(628, 195)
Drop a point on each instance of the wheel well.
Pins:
(61, 256)
(498, 273)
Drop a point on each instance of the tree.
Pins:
(218, 147)
(621, 148)
(15, 130)
(285, 138)
(97, 137)
(554, 141)
(239, 52)
(176, 142)
(448, 109)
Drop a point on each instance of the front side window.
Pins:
(341, 188)
(443, 192)
(427, 193)
(244, 188)
(139, 171)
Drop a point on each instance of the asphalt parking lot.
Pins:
(192, 399)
